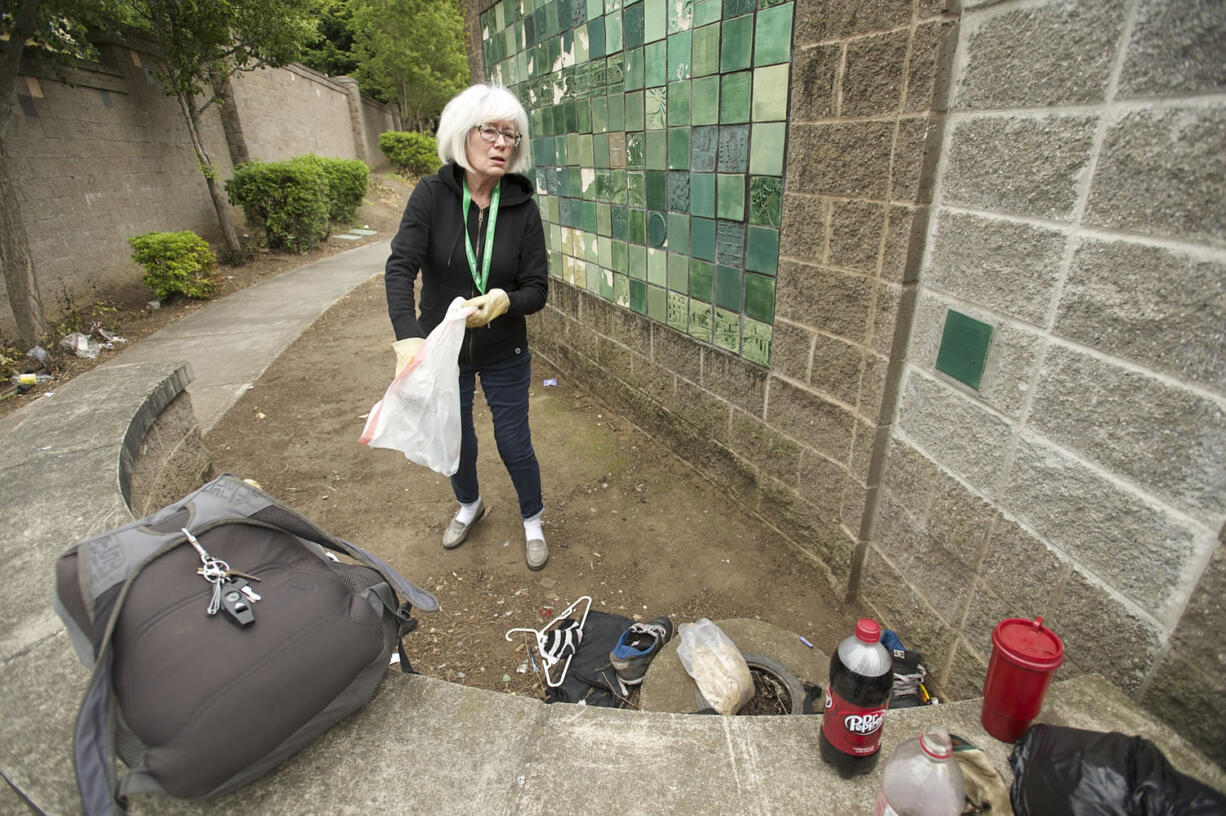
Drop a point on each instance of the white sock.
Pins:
(468, 512)
(532, 527)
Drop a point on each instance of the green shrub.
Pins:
(410, 152)
(346, 182)
(288, 200)
(176, 263)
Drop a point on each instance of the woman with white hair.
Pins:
(474, 231)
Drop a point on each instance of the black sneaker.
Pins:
(636, 648)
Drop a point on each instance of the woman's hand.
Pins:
(406, 350)
(488, 306)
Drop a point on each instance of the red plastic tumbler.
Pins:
(1025, 654)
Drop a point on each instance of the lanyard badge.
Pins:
(481, 279)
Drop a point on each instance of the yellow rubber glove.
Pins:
(406, 350)
(489, 306)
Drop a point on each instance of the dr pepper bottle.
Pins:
(861, 676)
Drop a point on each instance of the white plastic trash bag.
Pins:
(419, 414)
(716, 664)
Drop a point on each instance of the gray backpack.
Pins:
(305, 644)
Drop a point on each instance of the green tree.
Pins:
(51, 33)
(202, 42)
(412, 53)
(331, 51)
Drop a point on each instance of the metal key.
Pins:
(214, 571)
(233, 573)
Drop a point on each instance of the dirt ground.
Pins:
(628, 523)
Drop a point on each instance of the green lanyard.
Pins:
(483, 279)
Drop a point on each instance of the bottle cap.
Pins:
(868, 630)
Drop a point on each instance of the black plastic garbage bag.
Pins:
(1061, 771)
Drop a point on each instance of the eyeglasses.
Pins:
(491, 134)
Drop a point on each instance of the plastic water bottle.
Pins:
(861, 677)
(921, 778)
(25, 382)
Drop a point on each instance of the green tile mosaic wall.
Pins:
(658, 144)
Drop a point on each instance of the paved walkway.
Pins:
(421, 745)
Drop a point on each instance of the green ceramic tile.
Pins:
(730, 243)
(702, 238)
(704, 147)
(766, 154)
(617, 150)
(612, 5)
(655, 64)
(765, 201)
(582, 53)
(679, 57)
(736, 44)
(600, 115)
(773, 36)
(573, 182)
(619, 223)
(700, 320)
(657, 150)
(589, 216)
(657, 190)
(637, 258)
(604, 220)
(655, 108)
(705, 47)
(638, 296)
(756, 341)
(560, 145)
(678, 311)
(964, 348)
(617, 187)
(657, 304)
(604, 252)
(702, 194)
(573, 148)
(657, 267)
(734, 94)
(728, 287)
(606, 284)
(657, 228)
(762, 251)
(706, 101)
(620, 261)
(638, 227)
(636, 151)
(730, 196)
(707, 11)
(680, 15)
(600, 150)
(583, 115)
(613, 32)
(679, 104)
(733, 149)
(588, 177)
(726, 331)
(678, 272)
(632, 26)
(679, 232)
(655, 20)
(634, 70)
(595, 37)
(679, 191)
(759, 297)
(679, 148)
(635, 118)
(770, 93)
(702, 276)
(594, 278)
(636, 190)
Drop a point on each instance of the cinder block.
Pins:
(1165, 438)
(869, 442)
(676, 352)
(1138, 548)
(1002, 265)
(810, 419)
(1055, 53)
(835, 302)
(1198, 635)
(662, 385)
(855, 234)
(935, 572)
(791, 350)
(932, 51)
(1162, 171)
(910, 477)
(836, 367)
(954, 429)
(875, 389)
(1192, 699)
(1101, 633)
(819, 20)
(821, 481)
(842, 159)
(872, 77)
(805, 227)
(891, 318)
(814, 74)
(1175, 48)
(1154, 306)
(739, 382)
(894, 601)
(773, 453)
(964, 679)
(1020, 165)
(916, 151)
(904, 239)
(960, 519)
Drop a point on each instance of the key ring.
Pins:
(215, 569)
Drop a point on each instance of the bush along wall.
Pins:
(176, 263)
(410, 152)
(345, 181)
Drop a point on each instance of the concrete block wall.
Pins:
(293, 110)
(1080, 211)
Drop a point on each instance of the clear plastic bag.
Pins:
(419, 414)
(716, 664)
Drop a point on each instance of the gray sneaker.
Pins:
(457, 530)
(536, 553)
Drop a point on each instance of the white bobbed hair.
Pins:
(476, 105)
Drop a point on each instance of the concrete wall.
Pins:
(1080, 212)
(108, 157)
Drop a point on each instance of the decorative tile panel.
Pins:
(658, 138)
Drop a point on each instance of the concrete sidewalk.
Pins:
(421, 745)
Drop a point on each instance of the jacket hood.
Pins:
(516, 189)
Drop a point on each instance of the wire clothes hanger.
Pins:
(559, 639)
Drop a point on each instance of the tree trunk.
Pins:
(220, 204)
(230, 122)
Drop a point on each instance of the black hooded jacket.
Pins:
(431, 239)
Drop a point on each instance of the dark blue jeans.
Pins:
(505, 385)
